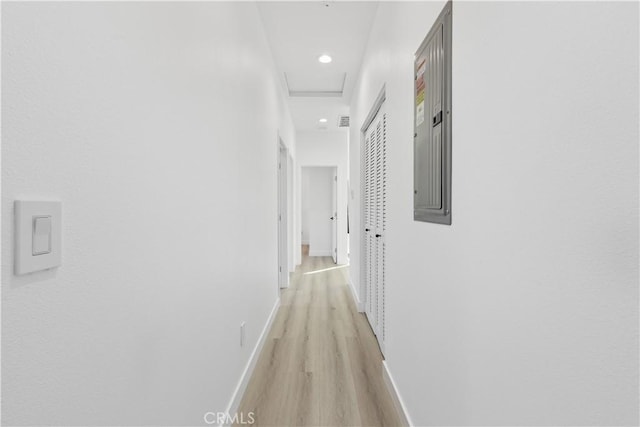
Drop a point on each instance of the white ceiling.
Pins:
(298, 33)
(307, 111)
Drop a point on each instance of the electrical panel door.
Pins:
(432, 124)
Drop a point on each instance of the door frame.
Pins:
(283, 214)
(336, 170)
(364, 295)
(291, 218)
(334, 216)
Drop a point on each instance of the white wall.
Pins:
(156, 125)
(317, 205)
(326, 148)
(525, 310)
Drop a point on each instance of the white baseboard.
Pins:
(320, 252)
(356, 299)
(238, 393)
(395, 395)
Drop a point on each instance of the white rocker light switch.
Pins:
(41, 235)
(38, 233)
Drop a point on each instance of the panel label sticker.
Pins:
(420, 87)
(420, 114)
(421, 68)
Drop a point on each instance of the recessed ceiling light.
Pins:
(325, 59)
(323, 120)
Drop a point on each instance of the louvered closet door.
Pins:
(375, 222)
(382, 228)
(370, 228)
(367, 223)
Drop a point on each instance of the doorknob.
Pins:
(367, 229)
(378, 235)
(331, 218)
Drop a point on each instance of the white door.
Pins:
(334, 217)
(374, 189)
(369, 219)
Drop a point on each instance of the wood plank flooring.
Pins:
(320, 364)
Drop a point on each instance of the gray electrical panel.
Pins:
(432, 124)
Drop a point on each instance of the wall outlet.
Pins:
(242, 334)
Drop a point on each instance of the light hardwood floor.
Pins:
(320, 364)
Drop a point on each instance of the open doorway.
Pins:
(319, 213)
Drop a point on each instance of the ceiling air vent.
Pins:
(343, 121)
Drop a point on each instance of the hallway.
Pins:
(320, 364)
(464, 173)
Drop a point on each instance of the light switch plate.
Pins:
(38, 235)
